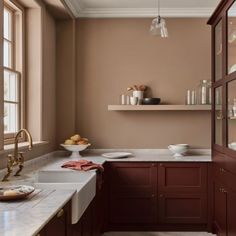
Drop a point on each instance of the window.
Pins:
(12, 62)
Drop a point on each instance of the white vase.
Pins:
(139, 95)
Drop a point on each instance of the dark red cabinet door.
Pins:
(182, 208)
(58, 225)
(182, 177)
(132, 193)
(231, 212)
(220, 210)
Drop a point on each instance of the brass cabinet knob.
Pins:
(60, 213)
(161, 195)
(222, 170)
(161, 164)
(222, 190)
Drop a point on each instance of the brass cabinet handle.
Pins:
(222, 170)
(161, 164)
(60, 213)
(222, 190)
(161, 195)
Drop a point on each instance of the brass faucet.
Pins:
(17, 159)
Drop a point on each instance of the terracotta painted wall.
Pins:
(46, 100)
(65, 86)
(113, 54)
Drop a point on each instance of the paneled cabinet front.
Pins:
(182, 193)
(59, 224)
(224, 202)
(132, 193)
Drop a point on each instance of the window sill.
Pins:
(21, 146)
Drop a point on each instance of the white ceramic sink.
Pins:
(83, 182)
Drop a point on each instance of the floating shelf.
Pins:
(159, 108)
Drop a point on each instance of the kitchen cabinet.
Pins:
(223, 22)
(182, 193)
(154, 196)
(60, 224)
(224, 202)
(132, 193)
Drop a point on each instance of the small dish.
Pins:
(75, 149)
(11, 193)
(151, 101)
(116, 155)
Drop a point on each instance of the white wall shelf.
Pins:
(159, 108)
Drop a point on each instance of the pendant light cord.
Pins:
(158, 7)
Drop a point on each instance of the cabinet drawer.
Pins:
(179, 208)
(182, 177)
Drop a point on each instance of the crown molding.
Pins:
(80, 11)
(75, 6)
(143, 12)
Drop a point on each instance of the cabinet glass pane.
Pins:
(218, 116)
(232, 115)
(218, 51)
(232, 39)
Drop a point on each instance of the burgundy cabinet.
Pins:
(132, 193)
(182, 177)
(60, 224)
(182, 208)
(220, 210)
(182, 193)
(231, 212)
(224, 202)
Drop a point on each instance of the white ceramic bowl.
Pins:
(178, 149)
(75, 149)
(232, 146)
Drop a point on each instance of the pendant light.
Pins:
(158, 26)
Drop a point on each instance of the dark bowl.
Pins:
(151, 101)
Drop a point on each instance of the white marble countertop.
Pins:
(44, 208)
(27, 217)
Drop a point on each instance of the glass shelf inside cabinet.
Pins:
(232, 115)
(218, 51)
(218, 116)
(232, 39)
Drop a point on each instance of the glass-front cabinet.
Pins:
(224, 78)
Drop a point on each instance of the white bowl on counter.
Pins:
(75, 149)
(232, 145)
(178, 149)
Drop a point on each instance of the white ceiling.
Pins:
(141, 8)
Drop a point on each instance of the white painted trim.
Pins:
(74, 11)
(144, 12)
(137, 12)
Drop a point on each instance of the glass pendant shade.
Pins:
(158, 26)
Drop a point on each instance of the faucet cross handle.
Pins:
(20, 163)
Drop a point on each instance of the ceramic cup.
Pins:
(133, 100)
(139, 95)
